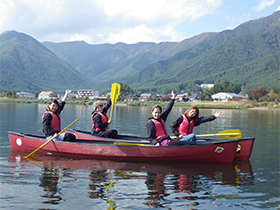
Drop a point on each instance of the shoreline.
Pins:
(239, 105)
(250, 105)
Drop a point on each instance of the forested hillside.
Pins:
(27, 65)
(111, 61)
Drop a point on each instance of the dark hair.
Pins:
(156, 106)
(195, 118)
(56, 102)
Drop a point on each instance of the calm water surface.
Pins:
(55, 182)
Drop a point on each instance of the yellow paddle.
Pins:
(228, 134)
(133, 144)
(32, 153)
(115, 90)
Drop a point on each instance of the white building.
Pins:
(207, 86)
(46, 95)
(90, 93)
(145, 97)
(25, 95)
(182, 97)
(103, 97)
(228, 96)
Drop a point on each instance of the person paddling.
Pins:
(100, 120)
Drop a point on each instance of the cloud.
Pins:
(263, 4)
(103, 21)
(154, 20)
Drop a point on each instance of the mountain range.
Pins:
(27, 65)
(247, 55)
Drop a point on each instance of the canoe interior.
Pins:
(127, 139)
(209, 150)
(143, 140)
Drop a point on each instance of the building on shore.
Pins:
(47, 95)
(207, 86)
(145, 97)
(104, 97)
(228, 96)
(91, 94)
(25, 95)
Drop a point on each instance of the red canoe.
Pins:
(243, 150)
(207, 151)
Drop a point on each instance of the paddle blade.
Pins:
(31, 158)
(115, 91)
(230, 134)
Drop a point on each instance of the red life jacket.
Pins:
(160, 129)
(186, 127)
(104, 119)
(56, 122)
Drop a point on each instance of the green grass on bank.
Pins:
(222, 105)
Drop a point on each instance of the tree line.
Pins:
(259, 94)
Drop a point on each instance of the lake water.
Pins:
(70, 183)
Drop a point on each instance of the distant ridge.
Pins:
(247, 55)
(111, 61)
(28, 65)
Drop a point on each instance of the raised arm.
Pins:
(67, 92)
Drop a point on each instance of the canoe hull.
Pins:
(224, 151)
(243, 150)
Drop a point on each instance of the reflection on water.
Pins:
(96, 186)
(190, 182)
(48, 182)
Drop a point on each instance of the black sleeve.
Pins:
(175, 124)
(204, 119)
(46, 124)
(61, 105)
(98, 122)
(151, 130)
(107, 106)
(167, 110)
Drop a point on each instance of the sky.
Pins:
(127, 21)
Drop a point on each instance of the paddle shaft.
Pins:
(133, 144)
(32, 153)
(231, 135)
(228, 134)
